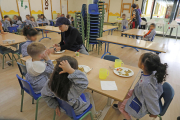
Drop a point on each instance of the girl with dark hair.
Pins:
(31, 36)
(19, 21)
(144, 99)
(44, 19)
(67, 83)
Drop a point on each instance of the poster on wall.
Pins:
(47, 9)
(23, 9)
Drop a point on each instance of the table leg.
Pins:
(106, 50)
(111, 32)
(43, 36)
(106, 109)
(108, 32)
(176, 33)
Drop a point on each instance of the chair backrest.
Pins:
(26, 86)
(51, 23)
(110, 58)
(20, 45)
(153, 37)
(12, 29)
(22, 69)
(93, 9)
(167, 95)
(68, 109)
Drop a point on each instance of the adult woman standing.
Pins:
(70, 37)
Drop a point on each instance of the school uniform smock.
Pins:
(38, 73)
(19, 23)
(124, 25)
(79, 84)
(24, 48)
(28, 22)
(145, 98)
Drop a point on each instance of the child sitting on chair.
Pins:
(144, 99)
(151, 33)
(124, 24)
(68, 83)
(31, 36)
(38, 71)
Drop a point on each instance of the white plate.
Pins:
(60, 52)
(122, 72)
(86, 68)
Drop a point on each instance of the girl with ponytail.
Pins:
(31, 36)
(144, 99)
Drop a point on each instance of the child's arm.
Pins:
(49, 97)
(150, 34)
(151, 99)
(50, 67)
(78, 78)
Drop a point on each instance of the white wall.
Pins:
(56, 6)
(64, 7)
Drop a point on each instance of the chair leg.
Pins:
(86, 115)
(32, 100)
(37, 108)
(22, 93)
(9, 57)
(159, 117)
(54, 117)
(3, 62)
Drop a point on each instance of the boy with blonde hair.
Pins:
(38, 71)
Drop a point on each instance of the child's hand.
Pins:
(56, 45)
(45, 56)
(66, 67)
(154, 116)
(58, 112)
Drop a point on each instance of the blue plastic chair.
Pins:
(70, 111)
(13, 29)
(153, 38)
(167, 95)
(26, 86)
(110, 58)
(22, 69)
(51, 23)
(93, 9)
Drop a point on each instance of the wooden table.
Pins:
(18, 39)
(128, 42)
(109, 28)
(135, 32)
(123, 84)
(47, 28)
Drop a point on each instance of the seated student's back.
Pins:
(38, 71)
(31, 36)
(67, 83)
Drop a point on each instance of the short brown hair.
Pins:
(35, 49)
(123, 14)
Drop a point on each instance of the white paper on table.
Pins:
(108, 85)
